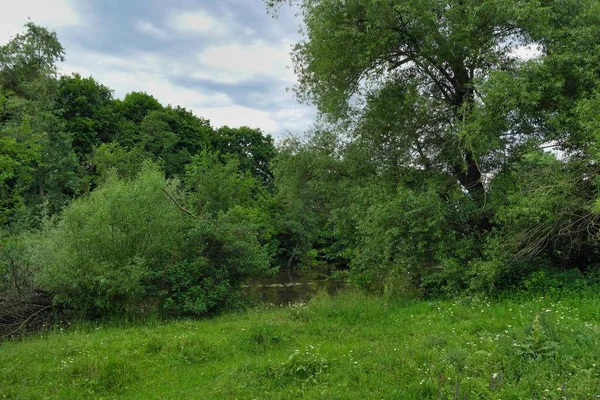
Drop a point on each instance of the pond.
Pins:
(284, 288)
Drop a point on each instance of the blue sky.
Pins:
(227, 60)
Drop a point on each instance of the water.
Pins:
(280, 289)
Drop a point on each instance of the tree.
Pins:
(442, 120)
(89, 111)
(173, 136)
(254, 149)
(310, 184)
(136, 105)
(28, 57)
(39, 160)
(19, 150)
(216, 187)
(411, 62)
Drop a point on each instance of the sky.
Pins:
(226, 60)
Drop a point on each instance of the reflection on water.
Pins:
(280, 289)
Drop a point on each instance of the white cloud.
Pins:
(198, 22)
(53, 14)
(141, 71)
(297, 119)
(148, 72)
(236, 62)
(235, 116)
(149, 29)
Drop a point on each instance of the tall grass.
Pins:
(351, 346)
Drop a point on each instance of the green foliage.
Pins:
(193, 135)
(19, 149)
(305, 366)
(56, 180)
(398, 232)
(39, 165)
(111, 158)
(228, 252)
(239, 203)
(137, 105)
(537, 344)
(308, 179)
(128, 247)
(97, 257)
(155, 136)
(266, 337)
(218, 186)
(89, 111)
(253, 149)
(28, 58)
(443, 178)
(17, 273)
(429, 172)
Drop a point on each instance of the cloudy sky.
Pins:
(227, 60)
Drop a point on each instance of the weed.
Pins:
(306, 366)
(537, 344)
(196, 351)
(154, 345)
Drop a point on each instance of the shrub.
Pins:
(96, 258)
(410, 241)
(129, 246)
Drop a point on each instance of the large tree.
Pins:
(408, 75)
(253, 148)
(29, 57)
(39, 165)
(89, 111)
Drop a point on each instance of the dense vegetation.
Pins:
(347, 347)
(119, 207)
(443, 164)
(448, 163)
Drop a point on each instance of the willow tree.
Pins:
(408, 75)
(460, 100)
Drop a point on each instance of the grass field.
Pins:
(350, 346)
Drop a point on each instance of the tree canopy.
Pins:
(486, 106)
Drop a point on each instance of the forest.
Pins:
(456, 153)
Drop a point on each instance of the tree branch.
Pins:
(177, 204)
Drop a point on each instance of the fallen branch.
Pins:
(24, 323)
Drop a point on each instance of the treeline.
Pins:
(118, 207)
(446, 164)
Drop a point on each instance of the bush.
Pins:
(410, 241)
(97, 257)
(129, 246)
(23, 307)
(228, 252)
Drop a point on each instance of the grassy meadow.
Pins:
(348, 346)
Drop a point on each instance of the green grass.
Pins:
(351, 346)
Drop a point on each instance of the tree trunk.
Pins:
(470, 178)
(289, 266)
